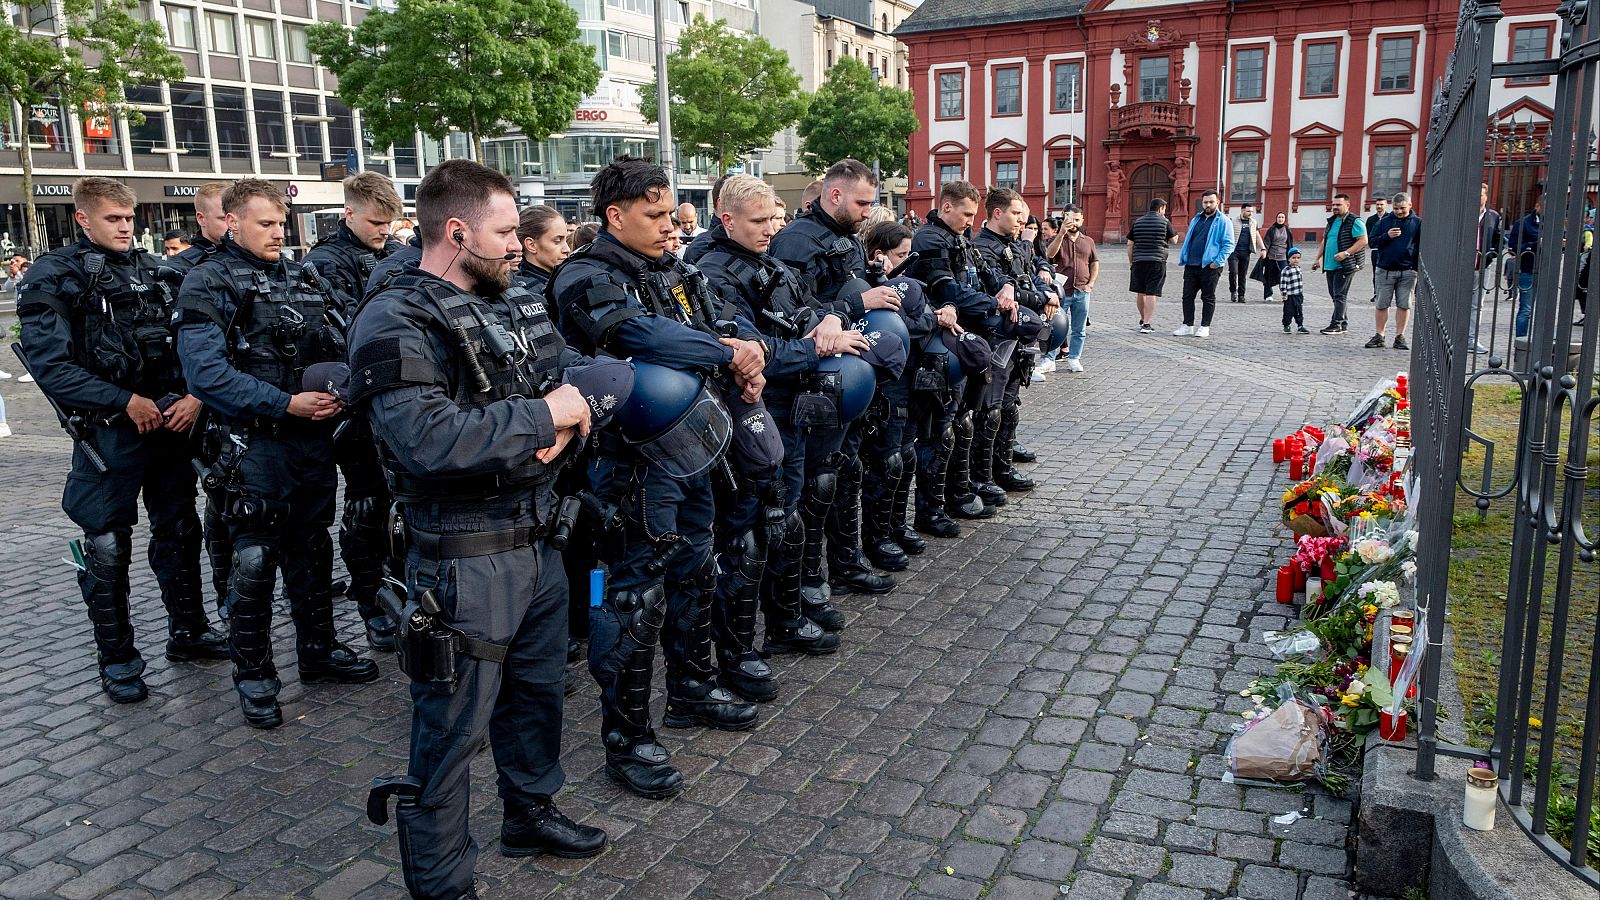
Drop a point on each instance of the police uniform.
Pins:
(662, 572)
(947, 263)
(763, 542)
(249, 330)
(450, 382)
(1010, 260)
(832, 265)
(96, 325)
(344, 264)
(889, 454)
(400, 258)
(172, 271)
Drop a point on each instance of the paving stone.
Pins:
(1009, 887)
(1065, 822)
(1205, 872)
(1095, 886)
(1264, 883)
(1321, 860)
(1123, 857)
(1043, 859)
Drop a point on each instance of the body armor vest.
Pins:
(772, 291)
(675, 290)
(122, 323)
(503, 350)
(1013, 257)
(280, 328)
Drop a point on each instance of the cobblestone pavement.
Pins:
(1039, 710)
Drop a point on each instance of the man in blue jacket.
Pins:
(1206, 248)
(1396, 241)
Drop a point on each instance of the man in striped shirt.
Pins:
(1148, 241)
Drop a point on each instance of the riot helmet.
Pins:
(673, 421)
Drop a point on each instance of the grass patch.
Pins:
(1480, 572)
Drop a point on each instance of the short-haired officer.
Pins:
(96, 329)
(459, 374)
(252, 323)
(625, 295)
(756, 561)
(1007, 259)
(344, 262)
(823, 248)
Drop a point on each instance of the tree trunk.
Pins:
(25, 153)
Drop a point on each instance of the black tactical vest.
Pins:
(668, 287)
(1013, 258)
(771, 289)
(503, 350)
(281, 327)
(122, 322)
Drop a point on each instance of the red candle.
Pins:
(1328, 572)
(1277, 451)
(1296, 467)
(1392, 726)
(1285, 585)
(1299, 578)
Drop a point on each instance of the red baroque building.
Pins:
(1110, 103)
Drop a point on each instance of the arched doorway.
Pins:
(1149, 182)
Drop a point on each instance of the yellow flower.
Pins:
(1535, 722)
(1369, 610)
(1351, 700)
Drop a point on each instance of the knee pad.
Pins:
(819, 494)
(850, 471)
(364, 512)
(893, 466)
(109, 549)
(991, 418)
(964, 425)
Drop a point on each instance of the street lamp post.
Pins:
(663, 108)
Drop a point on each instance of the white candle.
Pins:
(1313, 588)
(1478, 810)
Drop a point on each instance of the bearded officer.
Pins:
(459, 373)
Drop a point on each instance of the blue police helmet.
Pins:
(673, 420)
(887, 321)
(857, 382)
(1059, 329)
(952, 366)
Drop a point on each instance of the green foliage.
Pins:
(480, 66)
(729, 93)
(853, 115)
(104, 50)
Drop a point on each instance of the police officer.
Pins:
(252, 323)
(343, 262)
(455, 369)
(1007, 260)
(542, 234)
(210, 226)
(624, 295)
(890, 452)
(947, 263)
(757, 562)
(821, 245)
(96, 329)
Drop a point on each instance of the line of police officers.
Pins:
(683, 450)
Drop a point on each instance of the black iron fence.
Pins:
(1482, 320)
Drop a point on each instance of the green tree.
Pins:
(83, 54)
(853, 115)
(478, 66)
(730, 93)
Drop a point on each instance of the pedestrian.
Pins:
(688, 223)
(1206, 247)
(1149, 241)
(1247, 248)
(1292, 285)
(1490, 242)
(1077, 260)
(1524, 242)
(472, 441)
(173, 243)
(1277, 239)
(1380, 208)
(280, 433)
(1344, 244)
(96, 329)
(1395, 247)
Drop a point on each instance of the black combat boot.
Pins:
(1006, 474)
(175, 558)
(931, 517)
(733, 616)
(877, 533)
(960, 500)
(788, 630)
(541, 828)
(815, 595)
(692, 704)
(104, 582)
(363, 544)
(983, 443)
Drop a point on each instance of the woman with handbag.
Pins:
(1276, 239)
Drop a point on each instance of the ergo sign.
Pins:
(590, 115)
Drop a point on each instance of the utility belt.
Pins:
(472, 487)
(287, 426)
(437, 547)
